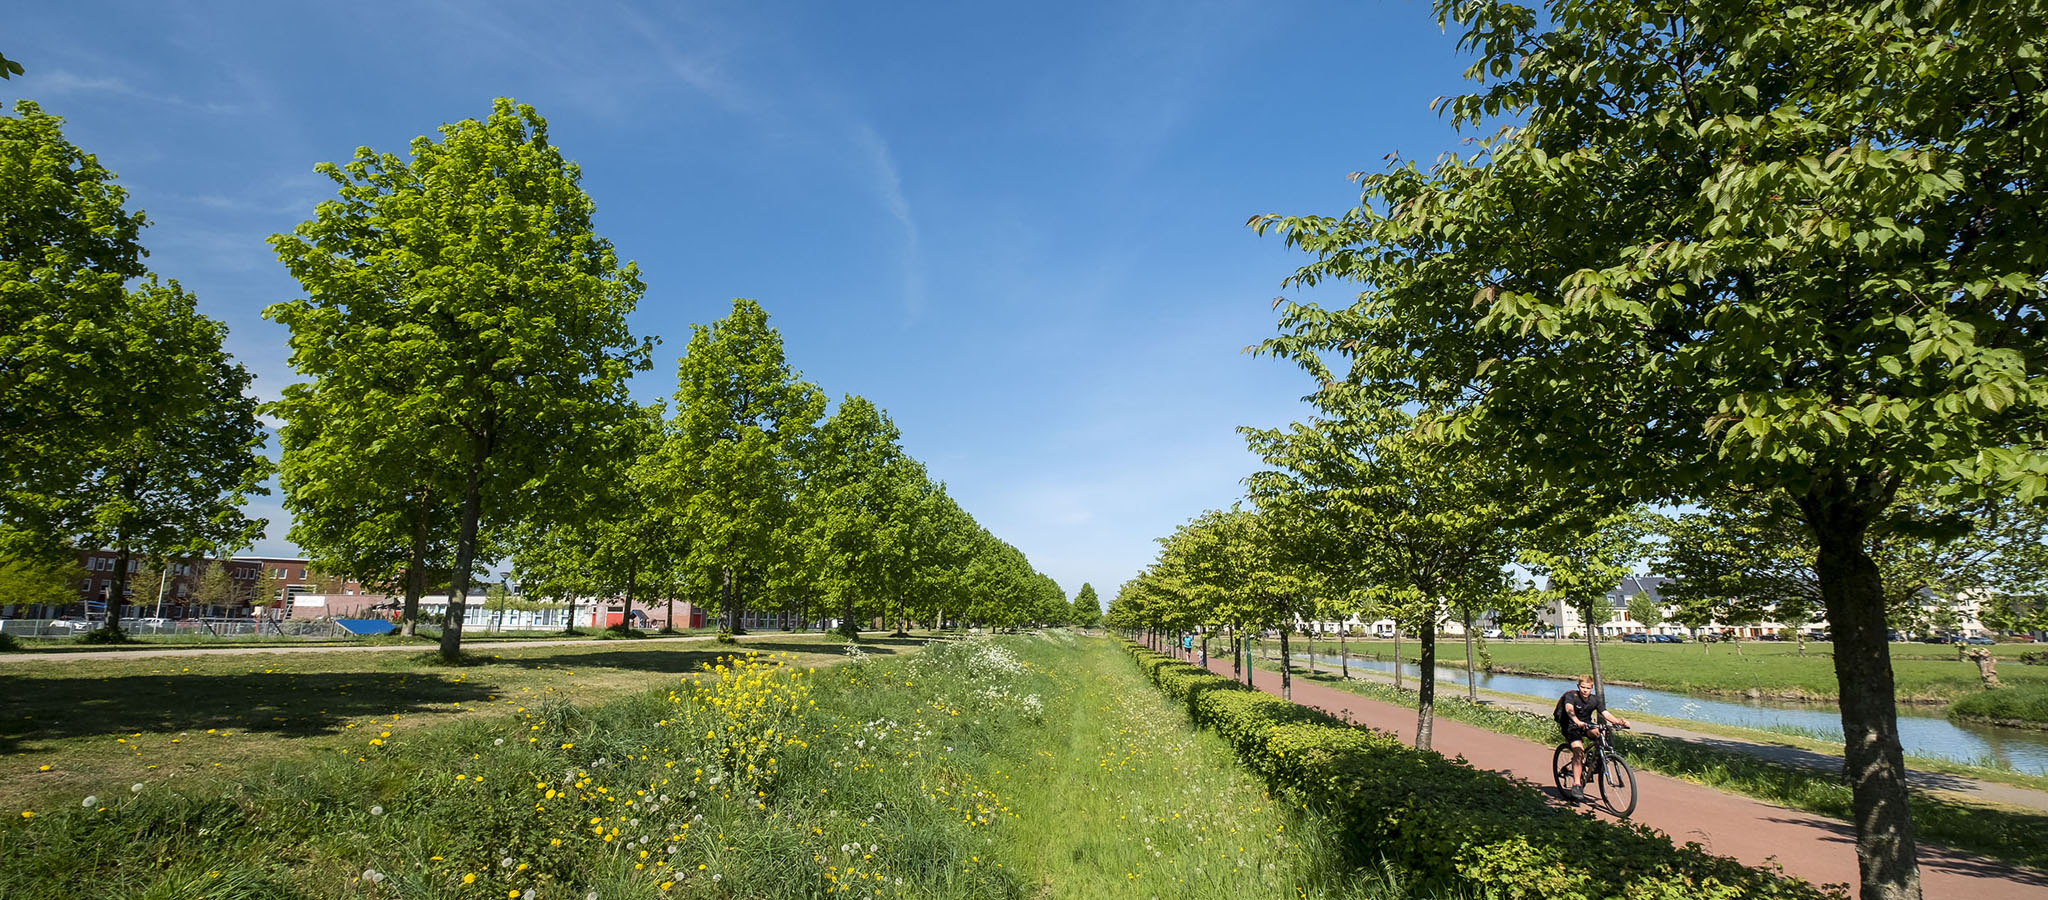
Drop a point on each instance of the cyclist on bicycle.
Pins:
(1578, 712)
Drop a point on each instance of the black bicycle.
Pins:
(1603, 767)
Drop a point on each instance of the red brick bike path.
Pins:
(1819, 850)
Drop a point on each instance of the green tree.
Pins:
(32, 580)
(1428, 525)
(464, 291)
(9, 68)
(66, 253)
(1087, 606)
(1788, 248)
(215, 588)
(857, 508)
(175, 484)
(1646, 610)
(742, 419)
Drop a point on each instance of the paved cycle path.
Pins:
(1817, 849)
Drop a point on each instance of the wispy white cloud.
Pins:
(695, 69)
(61, 83)
(888, 183)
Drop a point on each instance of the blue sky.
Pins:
(1018, 229)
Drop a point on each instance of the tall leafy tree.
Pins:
(1585, 558)
(466, 290)
(859, 501)
(1429, 523)
(67, 251)
(1790, 248)
(742, 420)
(1087, 606)
(175, 483)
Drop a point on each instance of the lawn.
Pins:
(73, 726)
(1926, 673)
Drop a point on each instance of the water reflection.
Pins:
(1923, 732)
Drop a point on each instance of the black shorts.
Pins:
(1572, 732)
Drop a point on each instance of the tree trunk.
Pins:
(1471, 668)
(1236, 661)
(1853, 590)
(1344, 650)
(416, 565)
(465, 554)
(1287, 667)
(1425, 703)
(1397, 654)
(901, 619)
(1593, 651)
(632, 586)
(569, 622)
(119, 592)
(1205, 651)
(1311, 653)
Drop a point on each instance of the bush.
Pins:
(107, 635)
(620, 632)
(2035, 658)
(8, 644)
(2027, 705)
(1444, 825)
(725, 637)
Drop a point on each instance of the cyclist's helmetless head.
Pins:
(1586, 684)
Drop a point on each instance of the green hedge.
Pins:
(2024, 704)
(1450, 827)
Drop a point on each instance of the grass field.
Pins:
(427, 637)
(72, 726)
(1927, 673)
(1021, 767)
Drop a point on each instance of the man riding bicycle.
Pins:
(1578, 712)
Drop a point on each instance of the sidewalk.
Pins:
(1817, 849)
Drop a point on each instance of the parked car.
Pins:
(1821, 636)
(1708, 637)
(1667, 639)
(1978, 639)
(71, 622)
(1636, 638)
(2018, 638)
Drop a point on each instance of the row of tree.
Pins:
(1788, 251)
(465, 342)
(465, 353)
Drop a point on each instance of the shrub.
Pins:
(8, 644)
(2035, 658)
(1445, 826)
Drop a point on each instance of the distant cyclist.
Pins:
(1578, 711)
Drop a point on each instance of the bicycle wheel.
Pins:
(1561, 769)
(1617, 786)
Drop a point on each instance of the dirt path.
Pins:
(1811, 847)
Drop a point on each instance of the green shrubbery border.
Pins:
(1448, 826)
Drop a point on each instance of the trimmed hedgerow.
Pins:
(1443, 824)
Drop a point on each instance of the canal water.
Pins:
(1924, 732)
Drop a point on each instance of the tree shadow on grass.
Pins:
(283, 704)
(683, 661)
